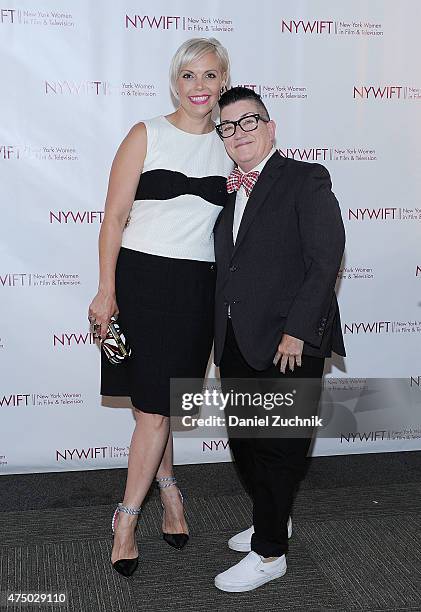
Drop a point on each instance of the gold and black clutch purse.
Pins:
(115, 345)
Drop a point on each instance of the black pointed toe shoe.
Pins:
(125, 567)
(176, 540)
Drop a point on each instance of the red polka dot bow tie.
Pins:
(238, 178)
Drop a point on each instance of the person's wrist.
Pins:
(106, 290)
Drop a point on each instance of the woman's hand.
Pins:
(101, 309)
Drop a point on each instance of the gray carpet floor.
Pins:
(356, 543)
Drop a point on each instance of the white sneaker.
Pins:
(250, 573)
(242, 541)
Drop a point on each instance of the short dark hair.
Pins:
(235, 94)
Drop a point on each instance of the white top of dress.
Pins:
(181, 191)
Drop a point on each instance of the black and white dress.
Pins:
(165, 273)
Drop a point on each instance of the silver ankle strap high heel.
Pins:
(168, 481)
(177, 540)
(125, 567)
(126, 510)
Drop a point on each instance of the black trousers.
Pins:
(270, 468)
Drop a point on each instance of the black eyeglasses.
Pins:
(247, 124)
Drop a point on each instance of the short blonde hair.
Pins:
(192, 50)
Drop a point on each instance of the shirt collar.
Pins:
(262, 164)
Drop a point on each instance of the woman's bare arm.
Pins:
(124, 177)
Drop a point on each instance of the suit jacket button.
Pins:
(233, 268)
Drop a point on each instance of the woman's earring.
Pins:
(222, 90)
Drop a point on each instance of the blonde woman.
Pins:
(167, 187)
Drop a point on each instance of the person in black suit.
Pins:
(278, 247)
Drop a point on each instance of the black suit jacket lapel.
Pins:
(261, 190)
(229, 220)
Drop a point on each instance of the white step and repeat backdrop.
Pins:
(341, 80)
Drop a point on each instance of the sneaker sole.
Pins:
(240, 547)
(232, 588)
(245, 547)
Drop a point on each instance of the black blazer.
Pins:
(280, 275)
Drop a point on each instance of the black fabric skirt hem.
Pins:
(166, 311)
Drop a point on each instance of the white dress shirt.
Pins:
(241, 197)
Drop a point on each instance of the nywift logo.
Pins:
(92, 453)
(77, 88)
(73, 339)
(365, 436)
(82, 454)
(378, 214)
(315, 154)
(178, 22)
(76, 216)
(16, 279)
(17, 400)
(214, 445)
(10, 15)
(98, 89)
(360, 328)
(33, 279)
(385, 213)
(386, 93)
(308, 27)
(374, 327)
(379, 92)
(10, 151)
(152, 22)
(38, 18)
(40, 152)
(331, 27)
(277, 91)
(307, 154)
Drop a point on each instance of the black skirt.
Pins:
(166, 310)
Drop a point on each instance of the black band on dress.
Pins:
(167, 184)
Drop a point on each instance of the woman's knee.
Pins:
(152, 420)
